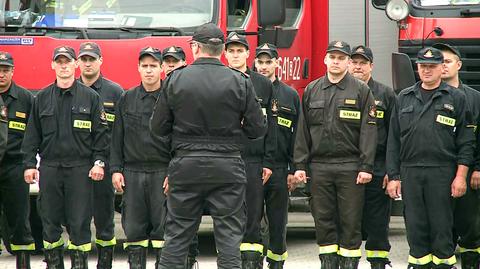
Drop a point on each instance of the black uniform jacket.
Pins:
(287, 119)
(19, 102)
(384, 101)
(3, 128)
(437, 133)
(473, 100)
(67, 127)
(337, 124)
(208, 108)
(133, 146)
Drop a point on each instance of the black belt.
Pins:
(206, 153)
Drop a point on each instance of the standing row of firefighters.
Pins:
(351, 137)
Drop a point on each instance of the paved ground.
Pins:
(301, 247)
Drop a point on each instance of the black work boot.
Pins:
(275, 264)
(79, 259)
(252, 260)
(470, 260)
(158, 256)
(191, 262)
(378, 263)
(137, 257)
(348, 262)
(54, 258)
(23, 259)
(105, 257)
(329, 261)
(418, 266)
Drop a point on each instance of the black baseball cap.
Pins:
(175, 52)
(234, 37)
(340, 46)
(6, 58)
(66, 51)
(151, 51)
(269, 49)
(443, 46)
(429, 55)
(90, 49)
(363, 51)
(208, 33)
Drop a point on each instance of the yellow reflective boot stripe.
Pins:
(143, 243)
(450, 261)
(22, 247)
(352, 253)
(251, 247)
(107, 243)
(277, 257)
(157, 243)
(48, 245)
(377, 254)
(85, 247)
(420, 261)
(328, 249)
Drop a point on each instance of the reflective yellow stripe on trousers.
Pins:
(420, 261)
(22, 247)
(105, 243)
(251, 247)
(377, 254)
(48, 245)
(350, 253)
(143, 243)
(328, 249)
(157, 243)
(277, 257)
(463, 250)
(450, 261)
(85, 247)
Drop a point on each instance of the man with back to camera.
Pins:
(336, 141)
(68, 129)
(259, 154)
(90, 61)
(376, 209)
(207, 171)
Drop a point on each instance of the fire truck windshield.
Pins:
(427, 3)
(106, 13)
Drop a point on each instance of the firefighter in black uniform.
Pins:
(207, 171)
(336, 140)
(467, 208)
(259, 154)
(276, 189)
(68, 128)
(14, 192)
(90, 61)
(429, 149)
(3, 128)
(139, 163)
(376, 209)
(172, 58)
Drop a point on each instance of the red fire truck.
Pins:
(425, 22)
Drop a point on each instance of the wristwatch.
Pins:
(99, 163)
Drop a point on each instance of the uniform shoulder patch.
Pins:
(372, 111)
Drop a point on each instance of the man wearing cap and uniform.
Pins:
(335, 142)
(89, 61)
(276, 189)
(259, 154)
(172, 58)
(466, 208)
(139, 162)
(3, 128)
(207, 171)
(376, 209)
(430, 146)
(14, 192)
(68, 129)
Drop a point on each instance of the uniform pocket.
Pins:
(286, 116)
(81, 119)
(316, 112)
(348, 111)
(405, 116)
(47, 122)
(445, 117)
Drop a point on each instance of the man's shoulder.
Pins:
(287, 89)
(22, 92)
(111, 85)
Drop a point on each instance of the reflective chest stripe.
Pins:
(17, 125)
(284, 122)
(445, 120)
(20, 115)
(82, 124)
(380, 114)
(352, 115)
(110, 117)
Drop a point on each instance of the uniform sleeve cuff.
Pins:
(300, 166)
(366, 168)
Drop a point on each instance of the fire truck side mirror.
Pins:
(379, 4)
(402, 72)
(271, 12)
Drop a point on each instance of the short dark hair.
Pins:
(212, 50)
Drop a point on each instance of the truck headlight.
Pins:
(396, 10)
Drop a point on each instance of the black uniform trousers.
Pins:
(14, 193)
(376, 219)
(426, 193)
(104, 210)
(186, 204)
(337, 207)
(252, 240)
(467, 219)
(66, 197)
(276, 202)
(143, 208)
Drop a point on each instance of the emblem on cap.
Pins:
(88, 47)
(265, 47)
(234, 37)
(150, 49)
(338, 44)
(360, 50)
(172, 49)
(62, 49)
(3, 57)
(428, 54)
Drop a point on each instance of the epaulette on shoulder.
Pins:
(236, 70)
